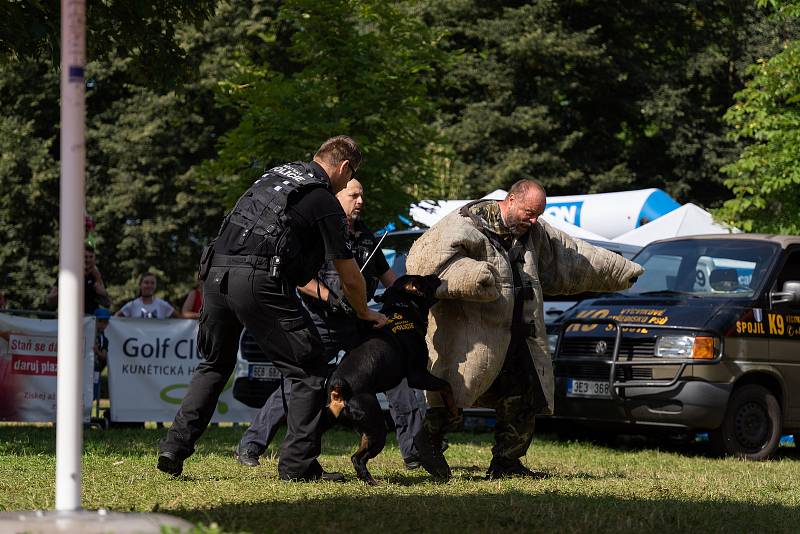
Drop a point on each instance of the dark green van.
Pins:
(707, 340)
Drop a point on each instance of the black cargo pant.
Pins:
(516, 396)
(236, 296)
(406, 410)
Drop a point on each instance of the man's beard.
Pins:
(517, 227)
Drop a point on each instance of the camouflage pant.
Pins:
(516, 397)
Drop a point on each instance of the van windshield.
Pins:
(704, 268)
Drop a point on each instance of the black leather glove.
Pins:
(338, 305)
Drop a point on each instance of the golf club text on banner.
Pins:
(150, 365)
(29, 366)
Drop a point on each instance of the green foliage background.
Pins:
(765, 180)
(187, 102)
(593, 96)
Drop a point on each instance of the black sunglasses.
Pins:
(352, 170)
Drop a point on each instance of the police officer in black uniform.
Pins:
(275, 239)
(334, 320)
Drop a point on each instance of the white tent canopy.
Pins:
(429, 212)
(689, 219)
(609, 207)
(571, 229)
(603, 215)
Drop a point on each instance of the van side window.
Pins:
(789, 272)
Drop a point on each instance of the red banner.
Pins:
(34, 365)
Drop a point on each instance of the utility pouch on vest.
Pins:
(275, 266)
(205, 261)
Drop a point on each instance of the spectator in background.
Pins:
(101, 316)
(2, 300)
(100, 349)
(193, 303)
(94, 290)
(147, 305)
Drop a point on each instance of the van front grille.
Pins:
(599, 371)
(597, 347)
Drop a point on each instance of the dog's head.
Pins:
(338, 394)
(411, 291)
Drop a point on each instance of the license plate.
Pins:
(588, 388)
(263, 371)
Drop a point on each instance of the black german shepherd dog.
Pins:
(381, 362)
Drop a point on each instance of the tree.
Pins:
(146, 144)
(765, 180)
(142, 144)
(592, 96)
(28, 212)
(349, 66)
(142, 31)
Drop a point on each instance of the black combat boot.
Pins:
(429, 451)
(505, 467)
(247, 456)
(411, 461)
(315, 472)
(170, 463)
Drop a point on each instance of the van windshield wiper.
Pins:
(669, 292)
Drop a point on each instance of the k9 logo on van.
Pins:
(757, 323)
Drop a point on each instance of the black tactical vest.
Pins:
(362, 244)
(262, 208)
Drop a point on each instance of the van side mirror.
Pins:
(789, 295)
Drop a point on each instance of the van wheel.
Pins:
(751, 429)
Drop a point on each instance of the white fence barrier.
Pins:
(150, 365)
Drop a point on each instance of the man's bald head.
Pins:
(524, 187)
(352, 200)
(523, 205)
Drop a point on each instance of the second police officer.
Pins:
(275, 239)
(334, 320)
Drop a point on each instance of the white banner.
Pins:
(29, 365)
(150, 365)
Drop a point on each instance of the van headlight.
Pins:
(694, 347)
(552, 343)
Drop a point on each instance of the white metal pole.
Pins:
(69, 414)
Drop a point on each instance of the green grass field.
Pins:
(592, 488)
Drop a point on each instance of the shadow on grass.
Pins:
(510, 511)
